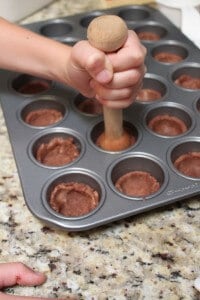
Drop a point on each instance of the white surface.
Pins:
(197, 284)
(14, 10)
(179, 3)
(190, 24)
(184, 14)
(173, 14)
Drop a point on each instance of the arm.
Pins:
(115, 77)
(25, 51)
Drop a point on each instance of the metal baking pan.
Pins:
(152, 152)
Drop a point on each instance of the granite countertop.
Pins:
(151, 256)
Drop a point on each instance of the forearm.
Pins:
(113, 79)
(25, 51)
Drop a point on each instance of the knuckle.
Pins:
(135, 76)
(127, 93)
(20, 266)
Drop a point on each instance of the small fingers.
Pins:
(124, 98)
(129, 78)
(114, 94)
(132, 55)
(99, 67)
(18, 273)
(122, 89)
(92, 60)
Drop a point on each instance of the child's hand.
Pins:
(18, 274)
(114, 79)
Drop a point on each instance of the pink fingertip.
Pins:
(104, 76)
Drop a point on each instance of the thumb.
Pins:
(95, 62)
(18, 273)
(99, 67)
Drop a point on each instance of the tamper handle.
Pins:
(113, 122)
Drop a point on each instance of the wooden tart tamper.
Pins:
(108, 33)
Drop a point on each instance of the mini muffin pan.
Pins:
(151, 153)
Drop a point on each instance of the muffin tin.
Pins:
(100, 169)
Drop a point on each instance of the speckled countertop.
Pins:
(152, 256)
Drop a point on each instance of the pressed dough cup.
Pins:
(73, 199)
(57, 152)
(167, 57)
(148, 95)
(137, 184)
(43, 117)
(189, 164)
(188, 82)
(167, 125)
(148, 36)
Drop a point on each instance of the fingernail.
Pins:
(104, 76)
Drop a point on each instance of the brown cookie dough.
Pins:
(90, 106)
(167, 125)
(57, 152)
(43, 117)
(189, 164)
(137, 184)
(188, 82)
(167, 57)
(148, 36)
(148, 95)
(34, 86)
(74, 199)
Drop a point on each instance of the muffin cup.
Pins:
(47, 136)
(98, 129)
(137, 162)
(80, 176)
(30, 85)
(179, 50)
(87, 106)
(43, 103)
(134, 13)
(197, 105)
(188, 69)
(85, 21)
(56, 29)
(183, 148)
(183, 118)
(156, 32)
(157, 85)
